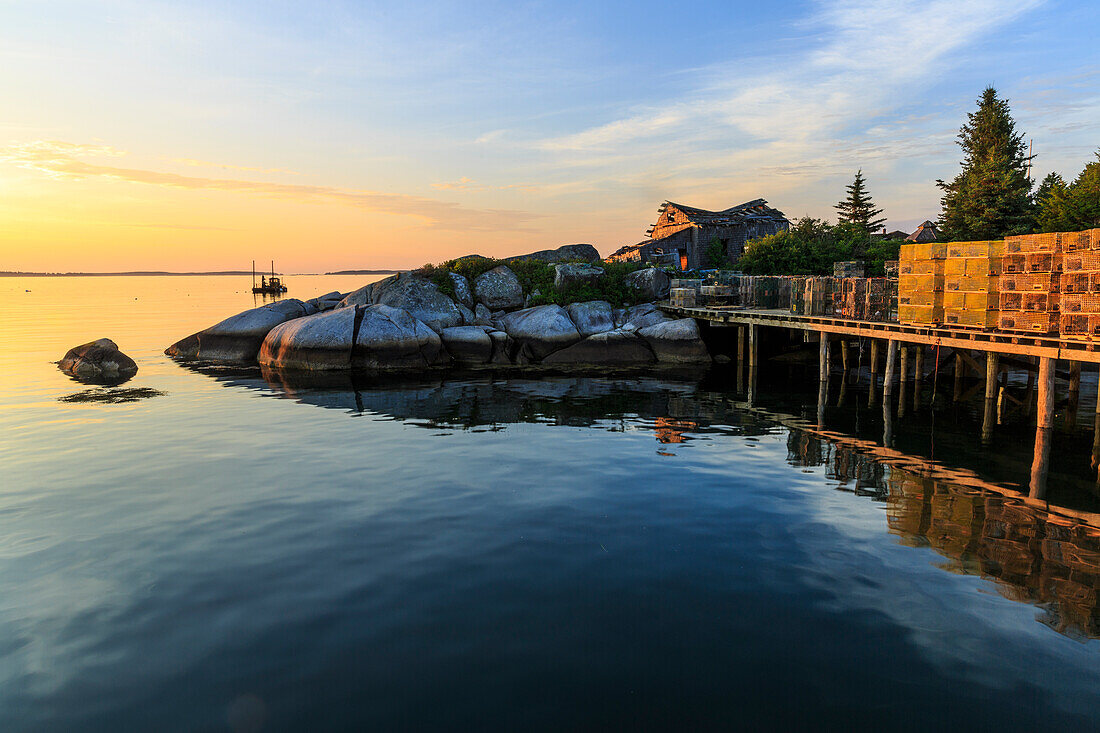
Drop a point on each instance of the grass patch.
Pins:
(536, 275)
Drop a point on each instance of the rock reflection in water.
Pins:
(106, 396)
(1033, 551)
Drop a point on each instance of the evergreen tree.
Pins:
(1072, 207)
(990, 197)
(1051, 183)
(1050, 204)
(858, 208)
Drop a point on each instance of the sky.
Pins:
(196, 135)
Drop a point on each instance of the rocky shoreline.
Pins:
(405, 322)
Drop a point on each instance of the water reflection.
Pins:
(106, 396)
(1033, 551)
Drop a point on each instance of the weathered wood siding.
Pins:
(671, 221)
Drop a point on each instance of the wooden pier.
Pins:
(1038, 353)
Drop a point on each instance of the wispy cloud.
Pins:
(64, 160)
(229, 167)
(798, 119)
(462, 184)
(187, 227)
(467, 184)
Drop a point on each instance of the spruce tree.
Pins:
(990, 197)
(858, 208)
(1072, 207)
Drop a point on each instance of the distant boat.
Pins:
(269, 285)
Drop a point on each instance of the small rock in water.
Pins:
(98, 362)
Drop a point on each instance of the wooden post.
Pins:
(991, 364)
(1096, 437)
(740, 359)
(823, 357)
(822, 398)
(754, 352)
(874, 373)
(1074, 393)
(754, 355)
(918, 375)
(1030, 391)
(989, 416)
(960, 371)
(888, 375)
(903, 382)
(1044, 424)
(844, 357)
(887, 414)
(1045, 418)
(1040, 464)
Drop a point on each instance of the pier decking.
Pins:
(1001, 342)
(1040, 354)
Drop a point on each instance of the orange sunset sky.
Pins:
(333, 135)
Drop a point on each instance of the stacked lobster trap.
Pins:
(1030, 283)
(971, 284)
(921, 282)
(1080, 284)
(882, 299)
(854, 298)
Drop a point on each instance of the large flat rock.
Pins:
(540, 331)
(237, 339)
(676, 342)
(611, 348)
(371, 337)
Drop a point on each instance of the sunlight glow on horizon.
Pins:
(170, 136)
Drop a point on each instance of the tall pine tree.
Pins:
(858, 208)
(990, 197)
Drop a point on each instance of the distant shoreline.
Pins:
(160, 273)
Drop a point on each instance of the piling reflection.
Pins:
(1034, 551)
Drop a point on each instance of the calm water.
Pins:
(224, 549)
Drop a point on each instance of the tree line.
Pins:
(992, 197)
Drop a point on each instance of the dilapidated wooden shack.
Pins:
(682, 233)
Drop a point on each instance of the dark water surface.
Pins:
(220, 549)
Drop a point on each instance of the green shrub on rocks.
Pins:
(535, 275)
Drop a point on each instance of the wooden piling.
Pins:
(1074, 393)
(1028, 401)
(1040, 463)
(903, 381)
(918, 375)
(844, 357)
(1096, 436)
(960, 371)
(740, 359)
(888, 375)
(872, 392)
(1045, 404)
(822, 398)
(991, 364)
(1044, 424)
(754, 353)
